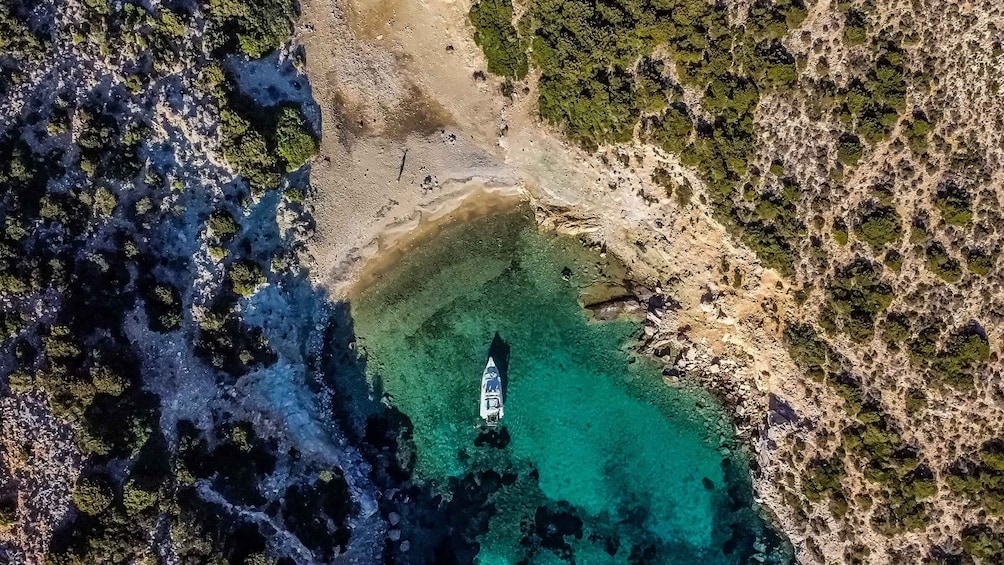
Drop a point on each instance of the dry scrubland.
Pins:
(870, 183)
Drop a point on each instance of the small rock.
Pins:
(405, 546)
(394, 518)
(394, 535)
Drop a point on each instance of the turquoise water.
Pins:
(604, 463)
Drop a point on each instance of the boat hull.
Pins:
(492, 396)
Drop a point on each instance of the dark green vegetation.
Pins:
(849, 149)
(600, 80)
(878, 223)
(856, 295)
(965, 476)
(957, 360)
(253, 29)
(497, 37)
(942, 264)
(19, 45)
(294, 140)
(260, 143)
(870, 442)
(955, 204)
(90, 221)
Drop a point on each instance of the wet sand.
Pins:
(397, 241)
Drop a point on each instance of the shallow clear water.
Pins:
(604, 462)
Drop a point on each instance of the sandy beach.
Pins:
(395, 242)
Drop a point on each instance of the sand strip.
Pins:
(397, 241)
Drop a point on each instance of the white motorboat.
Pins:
(492, 401)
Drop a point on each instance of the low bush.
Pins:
(92, 495)
(878, 225)
(955, 204)
(983, 543)
(849, 149)
(942, 264)
(253, 29)
(245, 277)
(823, 477)
(495, 33)
(294, 139)
(897, 328)
(979, 477)
(963, 355)
(222, 225)
(980, 262)
(811, 352)
(856, 295)
(855, 28)
(917, 133)
(893, 260)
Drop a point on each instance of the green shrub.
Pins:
(955, 204)
(992, 455)
(246, 148)
(245, 277)
(653, 89)
(979, 477)
(983, 543)
(980, 262)
(855, 28)
(16, 38)
(942, 264)
(924, 347)
(255, 29)
(92, 495)
(104, 202)
(293, 138)
(823, 477)
(878, 225)
(893, 260)
(222, 225)
(897, 328)
(495, 34)
(964, 354)
(849, 149)
(917, 133)
(671, 130)
(915, 401)
(136, 499)
(856, 294)
(811, 352)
